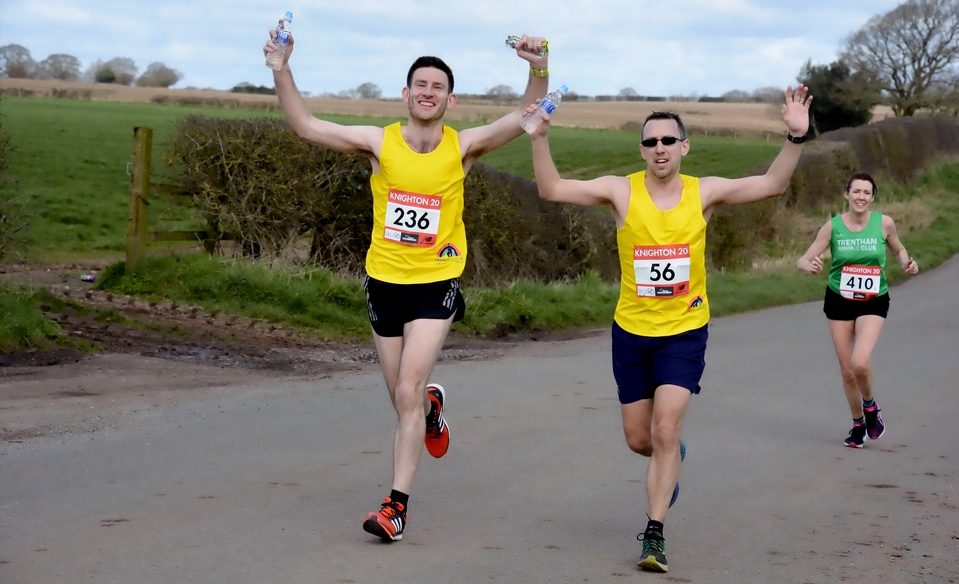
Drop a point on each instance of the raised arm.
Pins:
(908, 265)
(723, 191)
(336, 136)
(605, 190)
(475, 142)
(811, 261)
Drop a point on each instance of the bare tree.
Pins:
(119, 70)
(159, 75)
(15, 61)
(501, 92)
(910, 50)
(627, 92)
(945, 99)
(768, 94)
(737, 96)
(60, 66)
(368, 90)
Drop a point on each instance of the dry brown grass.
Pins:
(726, 118)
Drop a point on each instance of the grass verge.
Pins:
(334, 308)
(24, 325)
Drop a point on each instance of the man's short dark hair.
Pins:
(434, 62)
(667, 116)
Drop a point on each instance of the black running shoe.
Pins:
(653, 558)
(856, 436)
(875, 427)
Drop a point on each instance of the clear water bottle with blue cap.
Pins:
(274, 60)
(547, 105)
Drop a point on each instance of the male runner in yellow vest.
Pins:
(418, 247)
(659, 327)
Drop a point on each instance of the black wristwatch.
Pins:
(795, 139)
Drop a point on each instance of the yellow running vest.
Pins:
(662, 256)
(418, 231)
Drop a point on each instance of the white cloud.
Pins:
(704, 47)
(44, 13)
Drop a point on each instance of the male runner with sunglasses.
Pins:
(659, 327)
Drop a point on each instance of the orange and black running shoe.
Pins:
(387, 523)
(437, 430)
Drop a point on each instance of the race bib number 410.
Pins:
(859, 282)
(662, 271)
(412, 218)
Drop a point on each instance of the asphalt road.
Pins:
(267, 480)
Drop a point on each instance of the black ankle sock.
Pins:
(654, 526)
(868, 404)
(401, 498)
(858, 421)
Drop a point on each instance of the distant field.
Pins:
(70, 157)
(753, 119)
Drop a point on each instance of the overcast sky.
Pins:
(679, 47)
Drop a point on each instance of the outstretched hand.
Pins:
(534, 50)
(795, 111)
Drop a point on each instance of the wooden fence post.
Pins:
(141, 187)
(137, 225)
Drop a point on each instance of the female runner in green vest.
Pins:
(857, 295)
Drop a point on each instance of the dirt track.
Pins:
(185, 333)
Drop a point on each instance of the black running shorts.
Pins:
(838, 308)
(391, 306)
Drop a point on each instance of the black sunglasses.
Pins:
(666, 140)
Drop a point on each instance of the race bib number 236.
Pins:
(412, 218)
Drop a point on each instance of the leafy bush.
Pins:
(256, 181)
(515, 234)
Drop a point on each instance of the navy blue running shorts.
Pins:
(641, 364)
(838, 308)
(391, 306)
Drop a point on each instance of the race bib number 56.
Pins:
(859, 282)
(662, 271)
(412, 219)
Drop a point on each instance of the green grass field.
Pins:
(71, 160)
(69, 166)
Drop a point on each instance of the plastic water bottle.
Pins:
(274, 60)
(547, 105)
(513, 40)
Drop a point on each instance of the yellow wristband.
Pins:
(541, 73)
